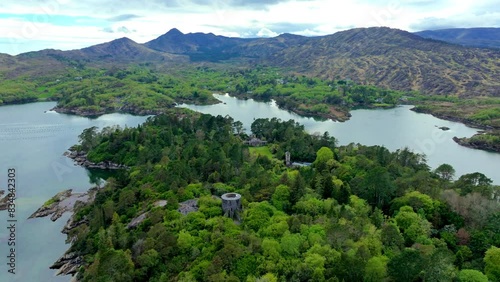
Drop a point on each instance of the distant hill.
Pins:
(198, 46)
(118, 51)
(121, 51)
(391, 58)
(381, 56)
(485, 37)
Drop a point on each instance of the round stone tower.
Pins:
(231, 205)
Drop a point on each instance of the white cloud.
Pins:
(95, 21)
(265, 32)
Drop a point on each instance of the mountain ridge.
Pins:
(380, 56)
(483, 37)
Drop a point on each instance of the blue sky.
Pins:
(59, 20)
(33, 25)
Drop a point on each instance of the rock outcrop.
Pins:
(188, 206)
(66, 201)
(62, 202)
(480, 145)
(68, 264)
(3, 201)
(80, 158)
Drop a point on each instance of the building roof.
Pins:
(231, 196)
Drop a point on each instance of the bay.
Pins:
(32, 141)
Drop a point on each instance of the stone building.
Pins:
(231, 205)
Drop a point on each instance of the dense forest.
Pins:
(357, 213)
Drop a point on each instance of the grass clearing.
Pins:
(264, 151)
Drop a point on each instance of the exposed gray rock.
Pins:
(62, 202)
(80, 158)
(160, 203)
(188, 206)
(66, 201)
(69, 263)
(136, 221)
(3, 201)
(72, 224)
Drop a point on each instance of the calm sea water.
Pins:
(393, 128)
(32, 141)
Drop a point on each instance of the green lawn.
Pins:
(264, 150)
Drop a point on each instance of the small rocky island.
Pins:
(443, 128)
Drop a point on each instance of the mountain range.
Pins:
(485, 37)
(381, 56)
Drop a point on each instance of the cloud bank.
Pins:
(70, 24)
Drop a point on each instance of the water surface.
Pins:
(32, 141)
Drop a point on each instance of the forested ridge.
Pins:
(357, 213)
(144, 90)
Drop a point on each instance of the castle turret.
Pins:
(231, 205)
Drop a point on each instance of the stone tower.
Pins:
(287, 159)
(231, 205)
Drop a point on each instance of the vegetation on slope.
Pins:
(489, 141)
(395, 59)
(358, 213)
(142, 90)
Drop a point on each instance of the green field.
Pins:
(263, 151)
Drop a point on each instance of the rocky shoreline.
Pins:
(3, 201)
(80, 158)
(66, 201)
(62, 202)
(452, 118)
(95, 113)
(467, 142)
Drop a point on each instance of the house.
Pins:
(255, 142)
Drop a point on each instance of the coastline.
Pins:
(80, 158)
(94, 114)
(69, 257)
(466, 141)
(469, 143)
(66, 201)
(465, 121)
